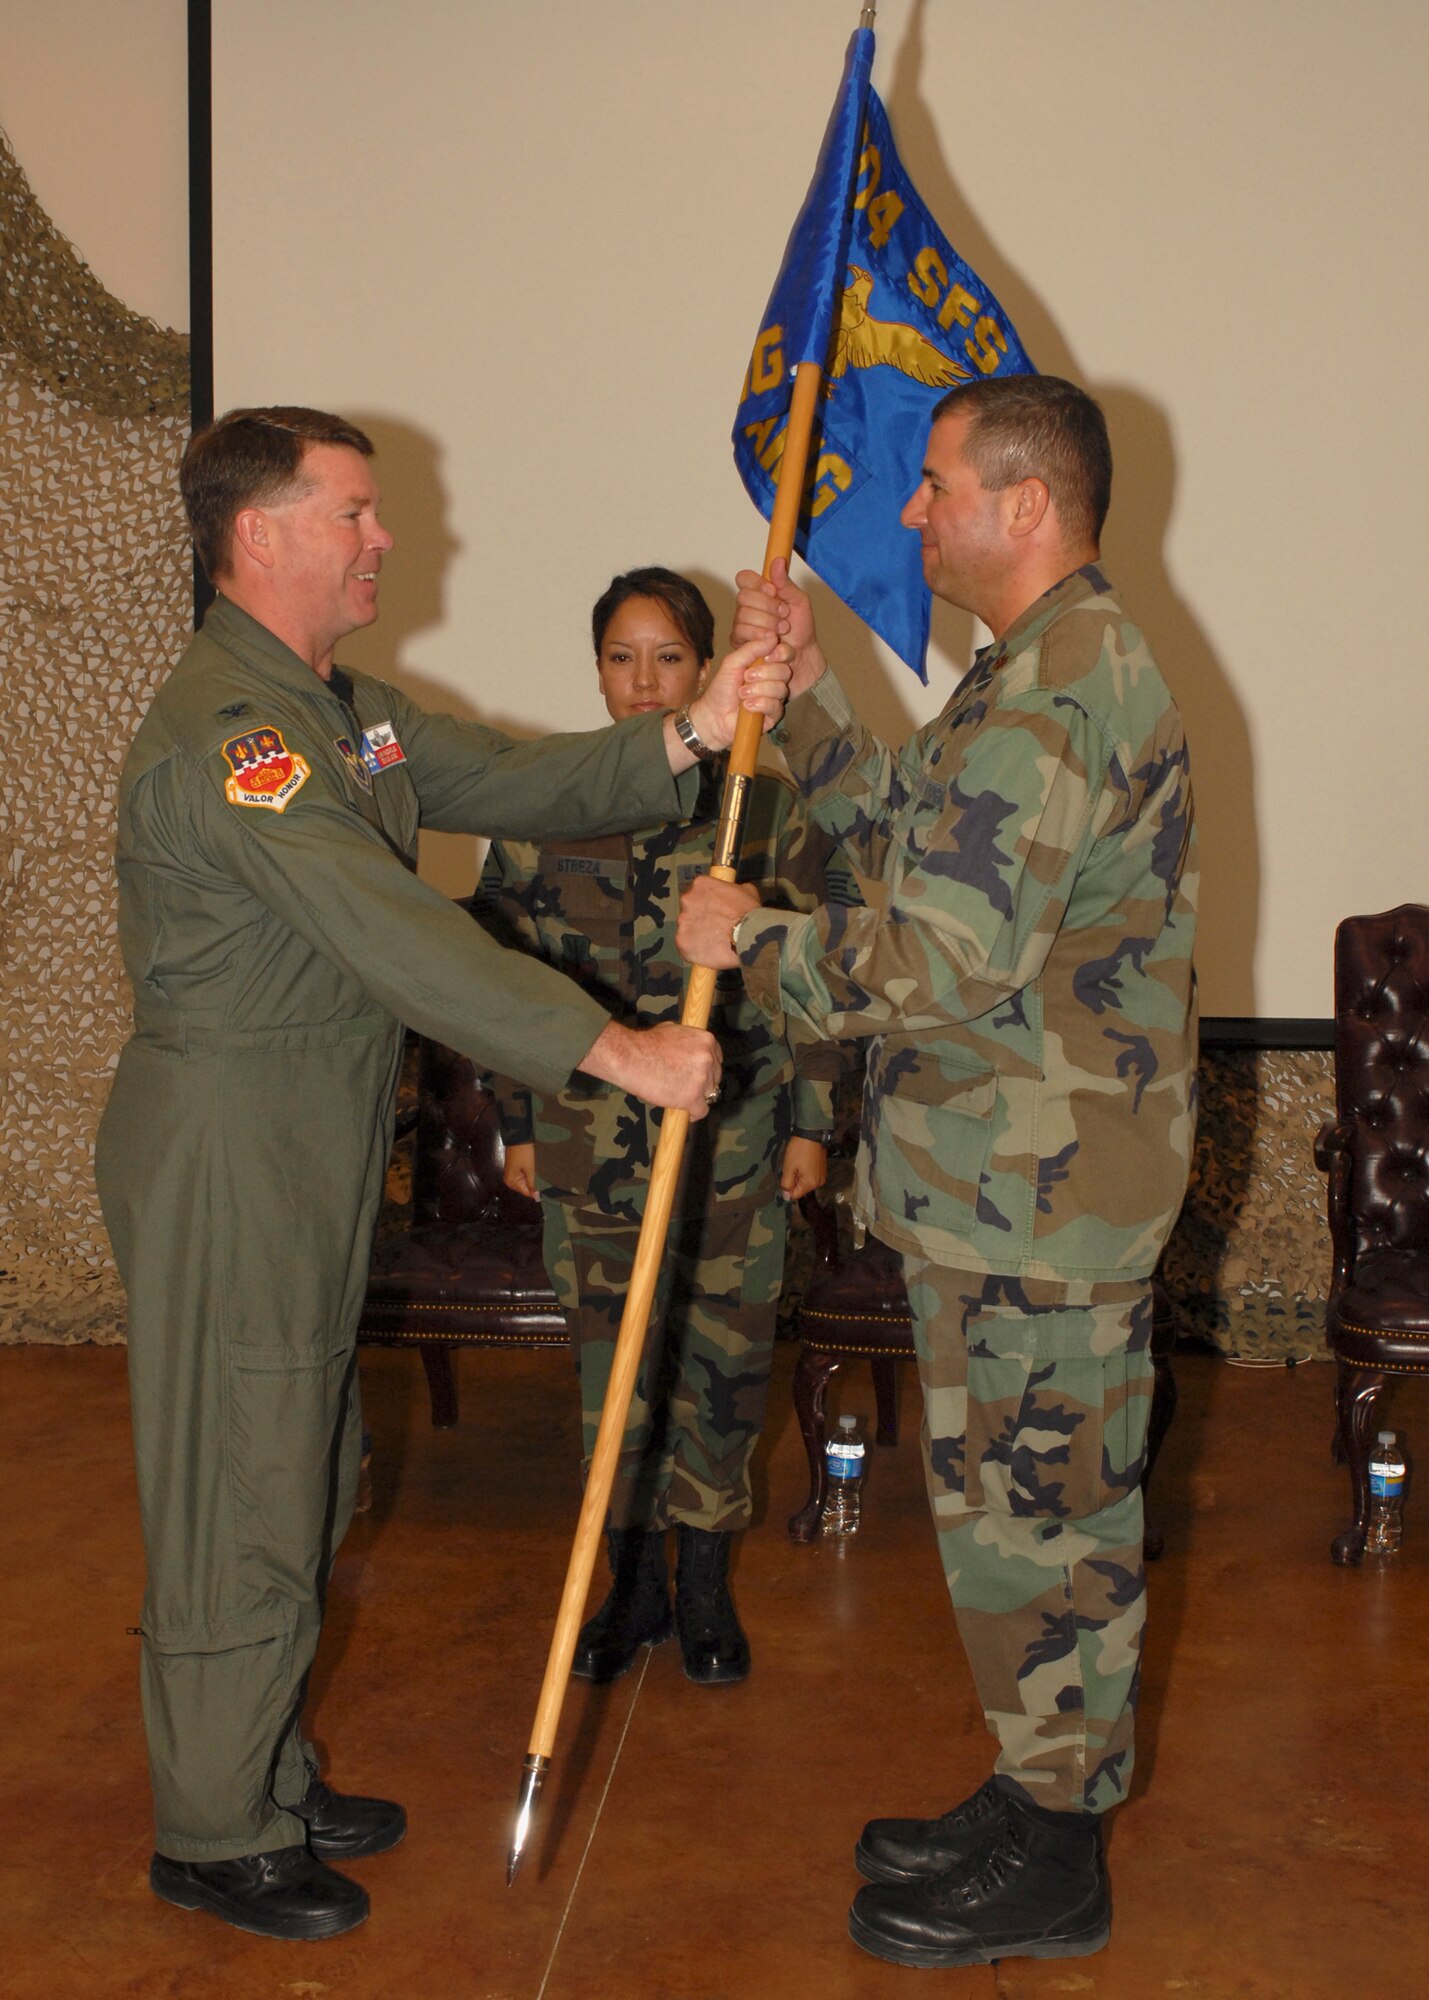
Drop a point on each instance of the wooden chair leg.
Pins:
(885, 1397)
(811, 1382)
(1357, 1391)
(441, 1383)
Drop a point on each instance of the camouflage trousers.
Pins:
(698, 1406)
(1036, 1398)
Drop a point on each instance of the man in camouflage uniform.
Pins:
(604, 911)
(1024, 971)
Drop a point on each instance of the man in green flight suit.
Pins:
(278, 938)
(1022, 967)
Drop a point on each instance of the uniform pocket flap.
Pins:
(223, 1635)
(257, 1358)
(920, 1075)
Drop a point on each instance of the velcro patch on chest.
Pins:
(356, 769)
(265, 772)
(380, 748)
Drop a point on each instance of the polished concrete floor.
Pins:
(694, 1844)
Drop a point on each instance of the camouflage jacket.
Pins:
(604, 911)
(1024, 961)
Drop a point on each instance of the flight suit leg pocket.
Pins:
(288, 1407)
(216, 1699)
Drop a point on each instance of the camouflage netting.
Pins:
(1248, 1265)
(94, 605)
(1247, 1270)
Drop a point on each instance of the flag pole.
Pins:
(664, 1174)
(669, 1154)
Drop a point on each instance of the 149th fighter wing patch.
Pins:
(265, 771)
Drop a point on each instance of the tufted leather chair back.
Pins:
(458, 1158)
(1382, 1075)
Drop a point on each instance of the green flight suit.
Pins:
(277, 939)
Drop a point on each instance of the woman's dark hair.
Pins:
(681, 599)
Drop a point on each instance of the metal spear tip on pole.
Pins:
(533, 1772)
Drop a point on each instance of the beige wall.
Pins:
(530, 246)
(94, 98)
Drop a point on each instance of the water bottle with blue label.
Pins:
(1386, 1497)
(844, 1457)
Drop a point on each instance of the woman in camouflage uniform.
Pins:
(604, 910)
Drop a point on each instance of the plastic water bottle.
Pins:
(844, 1457)
(1386, 1498)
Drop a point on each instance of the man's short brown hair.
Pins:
(1039, 427)
(251, 458)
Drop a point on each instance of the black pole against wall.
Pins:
(200, 43)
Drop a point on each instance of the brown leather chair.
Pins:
(1376, 1158)
(469, 1270)
(855, 1305)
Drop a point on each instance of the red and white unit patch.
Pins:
(265, 771)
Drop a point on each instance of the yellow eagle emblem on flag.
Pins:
(861, 341)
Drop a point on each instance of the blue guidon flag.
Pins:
(872, 289)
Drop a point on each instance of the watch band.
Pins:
(691, 738)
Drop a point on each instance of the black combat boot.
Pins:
(286, 1894)
(712, 1640)
(1039, 1890)
(912, 1850)
(344, 1826)
(636, 1611)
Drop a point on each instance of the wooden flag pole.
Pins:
(665, 1173)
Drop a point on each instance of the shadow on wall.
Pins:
(1134, 550)
(1222, 760)
(416, 508)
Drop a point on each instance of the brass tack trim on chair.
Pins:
(424, 1337)
(446, 1306)
(844, 1347)
(893, 1319)
(1382, 1333)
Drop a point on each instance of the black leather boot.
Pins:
(286, 1894)
(1038, 1890)
(636, 1611)
(912, 1850)
(712, 1640)
(343, 1826)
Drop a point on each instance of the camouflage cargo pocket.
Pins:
(933, 1127)
(1058, 1398)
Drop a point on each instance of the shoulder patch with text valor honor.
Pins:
(380, 748)
(265, 771)
(356, 769)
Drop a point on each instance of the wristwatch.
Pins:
(691, 737)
